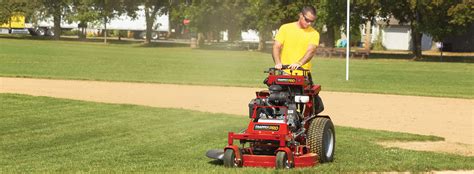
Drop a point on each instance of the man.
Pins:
(295, 44)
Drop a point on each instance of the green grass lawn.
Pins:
(182, 65)
(41, 134)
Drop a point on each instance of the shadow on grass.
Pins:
(163, 44)
(426, 58)
(113, 41)
(237, 46)
(70, 39)
(219, 48)
(216, 162)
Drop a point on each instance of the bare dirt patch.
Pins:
(445, 117)
(440, 146)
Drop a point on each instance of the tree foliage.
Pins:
(83, 11)
(264, 16)
(210, 17)
(462, 13)
(438, 18)
(9, 8)
(106, 11)
(55, 9)
(153, 8)
(455, 16)
(205, 17)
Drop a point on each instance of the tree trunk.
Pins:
(234, 33)
(415, 34)
(9, 24)
(105, 30)
(80, 34)
(200, 40)
(84, 33)
(149, 24)
(170, 22)
(57, 25)
(416, 43)
(330, 37)
(150, 19)
(368, 36)
(262, 37)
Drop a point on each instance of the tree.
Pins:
(264, 16)
(57, 9)
(107, 10)
(428, 16)
(152, 9)
(332, 16)
(205, 18)
(9, 8)
(84, 13)
(232, 12)
(455, 16)
(407, 12)
(462, 13)
(365, 12)
(177, 14)
(209, 17)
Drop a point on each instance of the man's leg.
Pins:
(318, 102)
(318, 105)
(310, 79)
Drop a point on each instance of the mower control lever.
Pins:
(273, 70)
(284, 67)
(299, 68)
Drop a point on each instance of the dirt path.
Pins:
(446, 117)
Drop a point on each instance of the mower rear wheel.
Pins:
(322, 139)
(282, 161)
(230, 160)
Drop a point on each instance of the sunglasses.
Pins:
(307, 20)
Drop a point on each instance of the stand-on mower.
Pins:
(285, 130)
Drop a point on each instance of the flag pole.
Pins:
(348, 45)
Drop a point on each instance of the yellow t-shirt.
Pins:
(295, 42)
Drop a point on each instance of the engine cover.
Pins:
(279, 98)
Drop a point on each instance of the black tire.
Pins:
(230, 160)
(281, 161)
(322, 139)
(40, 32)
(50, 32)
(143, 34)
(155, 36)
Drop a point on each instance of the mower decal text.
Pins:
(286, 80)
(266, 127)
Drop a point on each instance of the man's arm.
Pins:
(276, 54)
(305, 59)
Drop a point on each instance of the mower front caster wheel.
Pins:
(230, 160)
(282, 161)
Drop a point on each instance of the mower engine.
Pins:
(270, 107)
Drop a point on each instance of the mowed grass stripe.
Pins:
(182, 65)
(103, 130)
(58, 135)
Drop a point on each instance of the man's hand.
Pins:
(278, 66)
(294, 66)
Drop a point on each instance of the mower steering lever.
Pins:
(284, 67)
